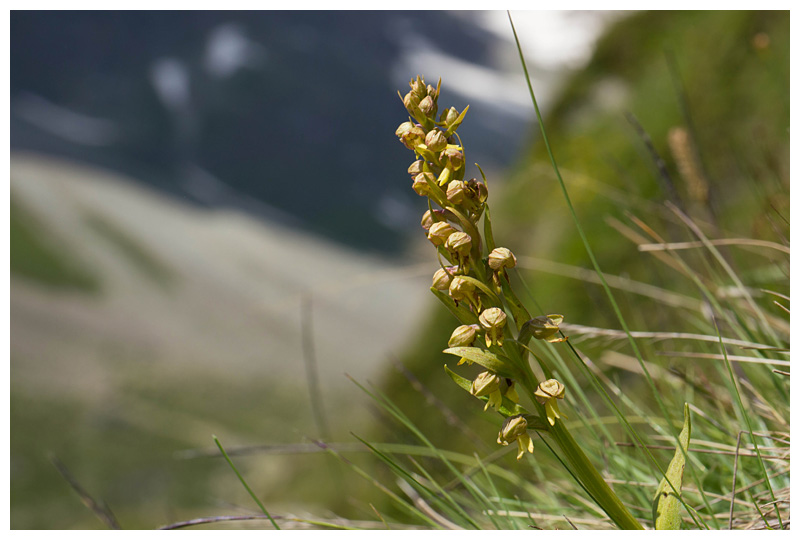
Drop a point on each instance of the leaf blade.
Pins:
(666, 504)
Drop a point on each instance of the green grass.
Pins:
(36, 255)
(617, 192)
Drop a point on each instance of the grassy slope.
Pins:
(737, 98)
(35, 255)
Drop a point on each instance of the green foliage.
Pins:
(736, 143)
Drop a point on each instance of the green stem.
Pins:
(591, 478)
(585, 471)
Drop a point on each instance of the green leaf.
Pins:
(666, 504)
(484, 358)
(487, 229)
(461, 312)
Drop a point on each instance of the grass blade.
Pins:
(242, 480)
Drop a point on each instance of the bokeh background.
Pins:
(212, 226)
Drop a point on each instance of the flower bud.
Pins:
(463, 336)
(433, 92)
(454, 157)
(456, 191)
(484, 384)
(449, 116)
(462, 290)
(442, 278)
(488, 384)
(515, 428)
(440, 232)
(501, 258)
(435, 140)
(477, 191)
(421, 186)
(427, 106)
(459, 244)
(410, 134)
(411, 103)
(415, 168)
(418, 88)
(493, 320)
(427, 220)
(545, 326)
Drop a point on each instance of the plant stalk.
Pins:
(585, 471)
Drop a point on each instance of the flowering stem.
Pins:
(582, 468)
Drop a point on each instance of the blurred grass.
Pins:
(125, 449)
(35, 254)
(139, 257)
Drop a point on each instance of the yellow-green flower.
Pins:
(546, 327)
(548, 393)
(439, 232)
(488, 384)
(442, 278)
(515, 428)
(459, 245)
(500, 259)
(493, 320)
(456, 191)
(435, 140)
(464, 336)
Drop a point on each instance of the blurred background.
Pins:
(211, 223)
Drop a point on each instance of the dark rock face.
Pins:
(286, 114)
